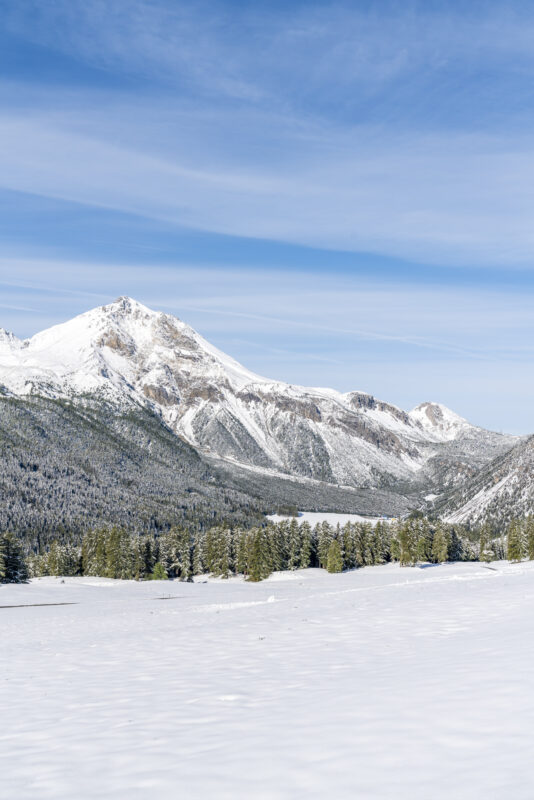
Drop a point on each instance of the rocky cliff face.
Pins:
(127, 352)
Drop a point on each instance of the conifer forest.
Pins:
(114, 552)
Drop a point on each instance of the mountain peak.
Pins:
(127, 305)
(439, 419)
(9, 339)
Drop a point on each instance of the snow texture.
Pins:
(380, 683)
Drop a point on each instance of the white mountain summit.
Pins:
(126, 351)
(439, 420)
(124, 345)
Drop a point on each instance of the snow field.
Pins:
(378, 683)
(313, 517)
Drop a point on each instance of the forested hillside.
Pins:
(67, 467)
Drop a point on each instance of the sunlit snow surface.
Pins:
(380, 683)
(314, 517)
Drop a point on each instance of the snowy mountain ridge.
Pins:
(100, 347)
(125, 351)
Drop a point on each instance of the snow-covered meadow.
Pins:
(379, 683)
(333, 518)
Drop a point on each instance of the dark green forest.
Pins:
(69, 466)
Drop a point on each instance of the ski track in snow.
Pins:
(379, 683)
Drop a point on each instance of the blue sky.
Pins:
(335, 193)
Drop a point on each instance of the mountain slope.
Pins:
(500, 491)
(126, 353)
(68, 467)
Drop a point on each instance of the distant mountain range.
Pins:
(275, 442)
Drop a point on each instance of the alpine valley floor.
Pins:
(379, 683)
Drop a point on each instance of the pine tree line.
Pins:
(257, 552)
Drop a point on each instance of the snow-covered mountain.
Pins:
(125, 352)
(437, 420)
(499, 492)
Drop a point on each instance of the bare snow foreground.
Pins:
(380, 683)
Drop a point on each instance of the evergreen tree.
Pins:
(241, 563)
(225, 553)
(515, 548)
(393, 529)
(13, 568)
(440, 545)
(53, 561)
(366, 544)
(348, 544)
(88, 550)
(94, 552)
(379, 543)
(293, 545)
(276, 546)
(334, 561)
(36, 563)
(407, 544)
(175, 553)
(148, 557)
(211, 551)
(529, 537)
(143, 558)
(423, 540)
(159, 573)
(199, 554)
(324, 539)
(456, 545)
(258, 557)
(62, 559)
(306, 546)
(119, 555)
(499, 548)
(3, 559)
(395, 549)
(485, 547)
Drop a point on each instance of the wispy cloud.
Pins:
(11, 307)
(396, 130)
(293, 52)
(432, 198)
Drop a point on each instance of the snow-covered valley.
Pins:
(314, 517)
(377, 683)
